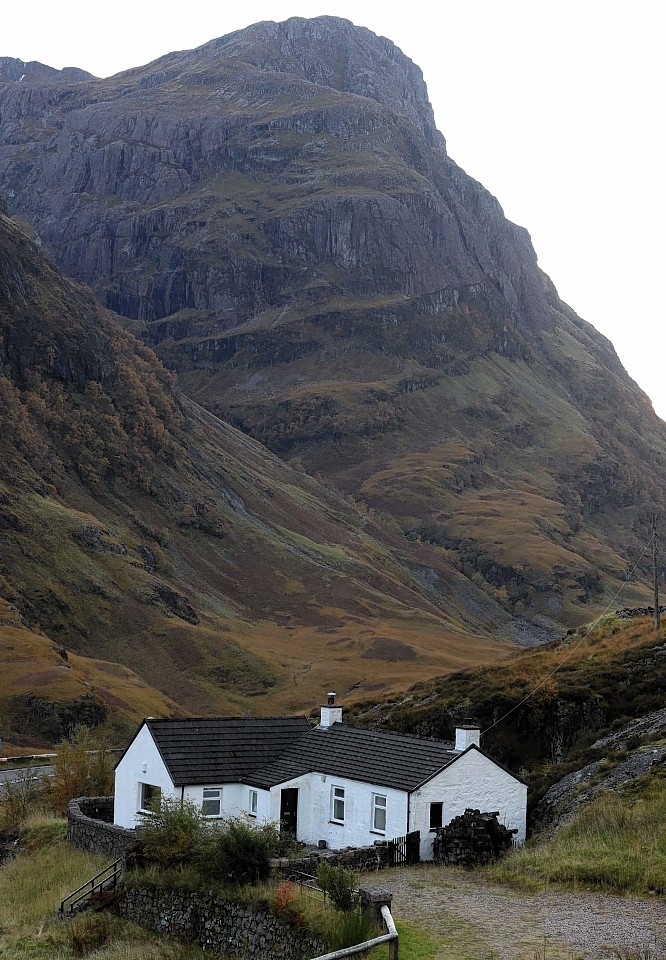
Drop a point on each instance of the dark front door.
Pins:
(289, 810)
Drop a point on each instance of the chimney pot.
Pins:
(330, 714)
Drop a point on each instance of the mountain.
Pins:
(276, 214)
(154, 560)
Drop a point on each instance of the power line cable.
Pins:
(576, 645)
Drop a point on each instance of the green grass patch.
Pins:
(414, 944)
(617, 843)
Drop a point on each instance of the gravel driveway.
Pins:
(474, 920)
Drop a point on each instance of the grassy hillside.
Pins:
(140, 530)
(616, 843)
(541, 710)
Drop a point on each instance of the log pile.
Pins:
(472, 838)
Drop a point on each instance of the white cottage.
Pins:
(345, 785)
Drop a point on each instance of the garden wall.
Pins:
(90, 826)
(227, 928)
(359, 859)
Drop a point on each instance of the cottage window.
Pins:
(150, 797)
(379, 813)
(253, 803)
(338, 804)
(212, 802)
(436, 815)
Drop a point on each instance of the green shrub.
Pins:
(239, 853)
(339, 883)
(173, 835)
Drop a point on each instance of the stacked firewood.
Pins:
(472, 838)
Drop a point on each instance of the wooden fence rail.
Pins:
(391, 937)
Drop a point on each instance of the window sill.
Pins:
(379, 833)
(339, 823)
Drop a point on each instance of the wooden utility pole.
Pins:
(655, 574)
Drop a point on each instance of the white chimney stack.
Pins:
(467, 735)
(330, 714)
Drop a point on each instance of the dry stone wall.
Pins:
(90, 826)
(360, 859)
(226, 928)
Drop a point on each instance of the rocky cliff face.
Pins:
(276, 214)
(297, 159)
(154, 560)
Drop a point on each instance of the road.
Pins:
(21, 774)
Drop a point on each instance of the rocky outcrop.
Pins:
(17, 71)
(625, 754)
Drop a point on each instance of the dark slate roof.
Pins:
(222, 750)
(387, 759)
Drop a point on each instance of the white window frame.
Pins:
(337, 804)
(210, 796)
(253, 802)
(156, 795)
(379, 806)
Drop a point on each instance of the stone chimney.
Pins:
(467, 733)
(330, 714)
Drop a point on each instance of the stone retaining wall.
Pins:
(227, 928)
(359, 859)
(90, 827)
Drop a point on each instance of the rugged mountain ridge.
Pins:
(155, 560)
(276, 214)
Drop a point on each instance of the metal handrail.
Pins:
(88, 889)
(306, 881)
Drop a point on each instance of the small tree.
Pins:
(83, 767)
(172, 836)
(339, 883)
(19, 798)
(240, 852)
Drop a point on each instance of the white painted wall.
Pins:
(235, 799)
(314, 811)
(142, 763)
(473, 781)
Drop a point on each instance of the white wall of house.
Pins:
(142, 764)
(235, 799)
(316, 812)
(473, 780)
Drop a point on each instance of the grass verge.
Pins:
(616, 843)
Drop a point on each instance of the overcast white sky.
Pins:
(556, 106)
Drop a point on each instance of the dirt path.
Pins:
(474, 920)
